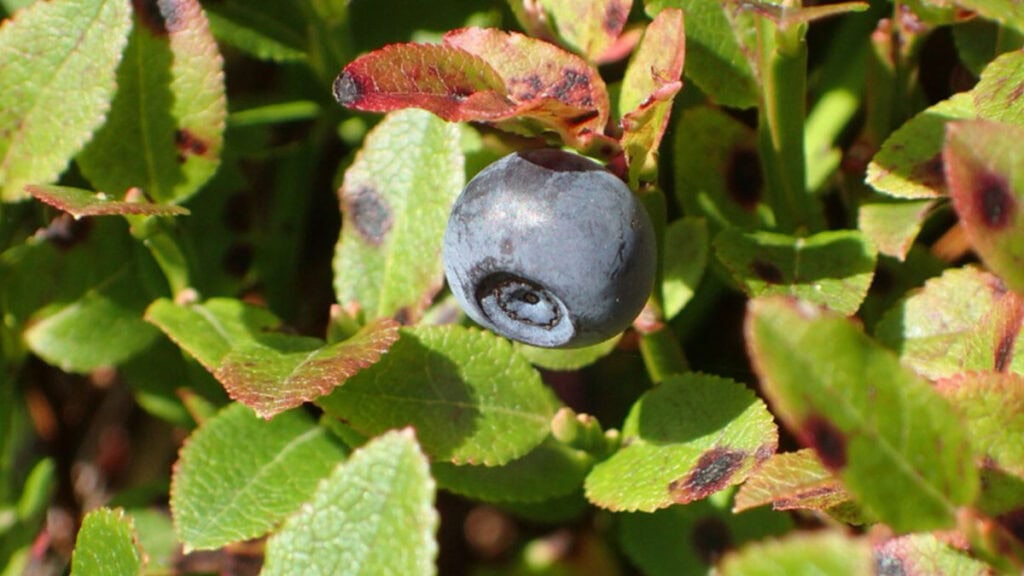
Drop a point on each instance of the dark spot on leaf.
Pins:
(1013, 522)
(188, 144)
(887, 564)
(712, 473)
(615, 18)
(348, 90)
(583, 118)
(743, 178)
(369, 213)
(930, 172)
(238, 259)
(828, 442)
(711, 539)
(574, 88)
(526, 88)
(799, 500)
(65, 231)
(993, 199)
(766, 271)
(557, 160)
(161, 17)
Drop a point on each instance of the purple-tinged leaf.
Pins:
(78, 203)
(653, 78)
(589, 27)
(985, 173)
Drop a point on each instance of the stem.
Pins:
(782, 61)
(169, 256)
(662, 354)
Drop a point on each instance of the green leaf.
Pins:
(985, 173)
(686, 439)
(894, 442)
(395, 203)
(961, 321)
(106, 546)
(980, 41)
(992, 404)
(684, 259)
(792, 481)
(265, 370)
(78, 203)
(550, 470)
(909, 164)
(893, 226)
(717, 169)
(689, 540)
(720, 41)
(58, 74)
(812, 554)
(833, 268)
(259, 31)
(238, 475)
(925, 554)
(103, 328)
(165, 128)
(155, 534)
(652, 79)
(373, 515)
(567, 359)
(471, 398)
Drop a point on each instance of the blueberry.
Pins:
(549, 248)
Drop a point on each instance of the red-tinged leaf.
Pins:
(791, 481)
(589, 27)
(983, 165)
(650, 84)
(445, 80)
(270, 376)
(78, 203)
(992, 404)
(925, 554)
(552, 87)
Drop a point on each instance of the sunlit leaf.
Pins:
(471, 398)
(871, 421)
(222, 493)
(683, 441)
(961, 321)
(165, 128)
(832, 268)
(373, 515)
(395, 202)
(58, 78)
(985, 173)
(828, 553)
(653, 78)
(260, 367)
(78, 203)
(106, 546)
